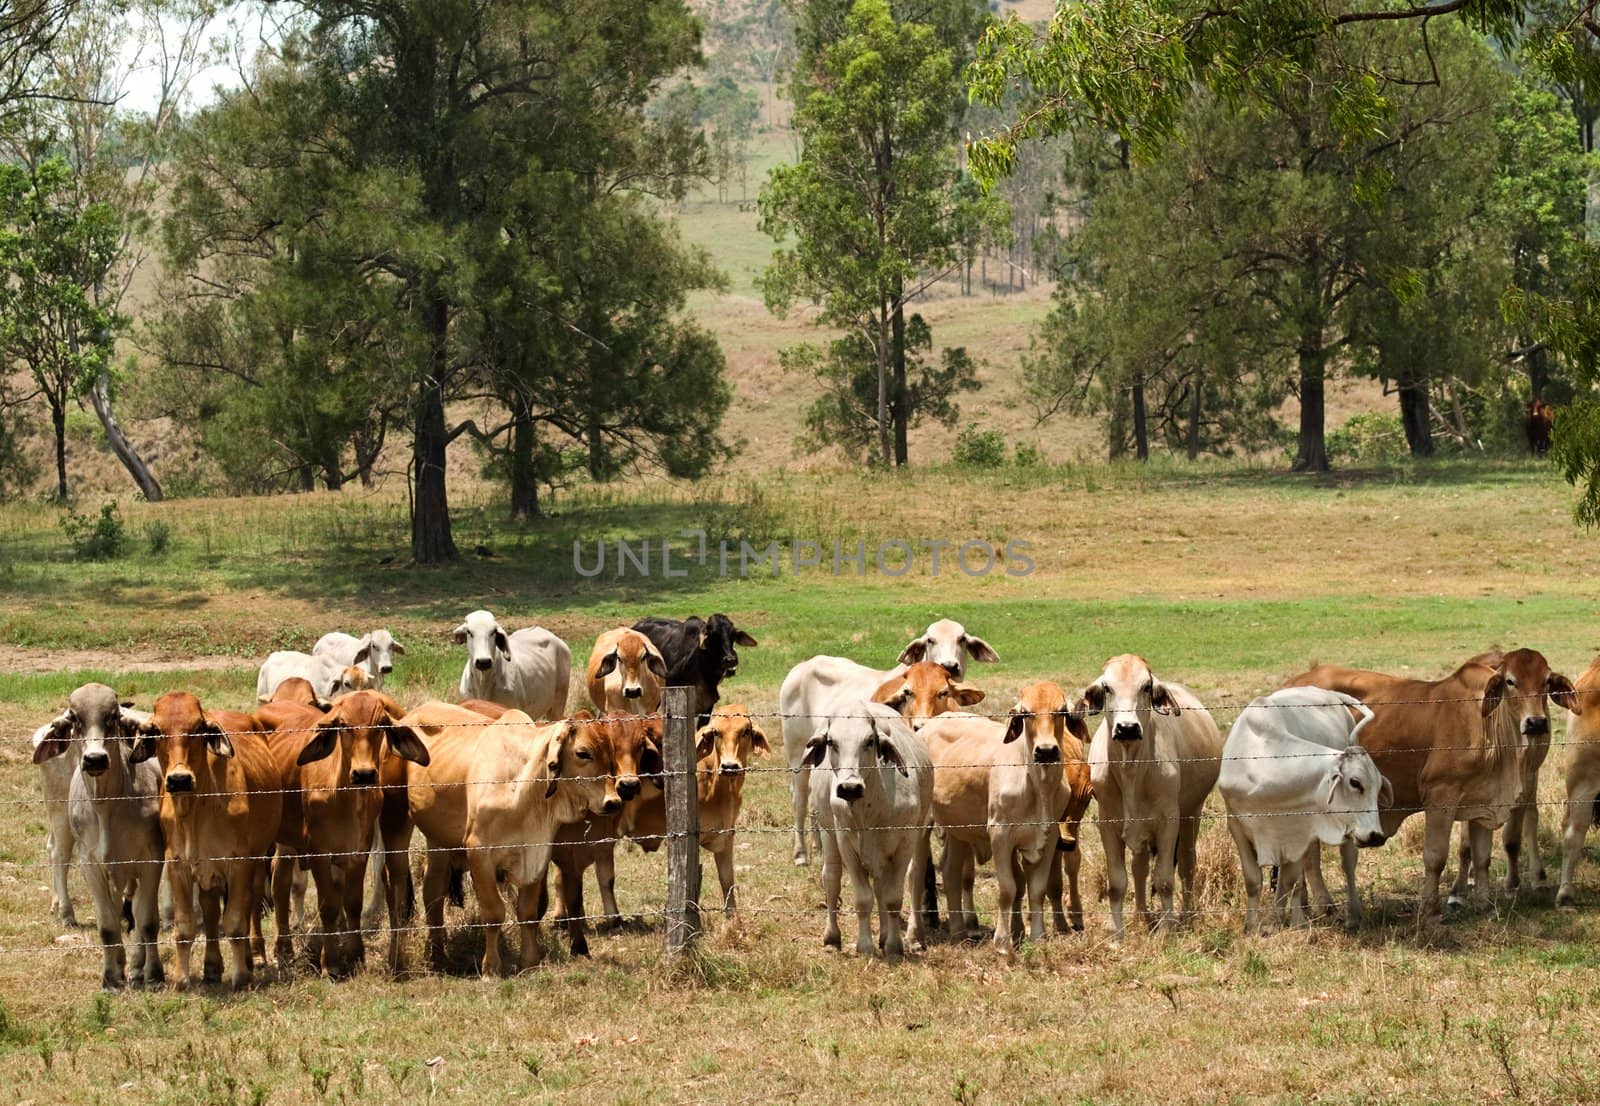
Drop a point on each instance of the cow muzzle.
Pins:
(1127, 731)
(611, 805)
(1536, 727)
(1047, 754)
(363, 777)
(385, 669)
(1371, 840)
(627, 786)
(95, 763)
(180, 783)
(483, 664)
(850, 790)
(953, 668)
(731, 768)
(633, 693)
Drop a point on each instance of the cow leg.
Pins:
(283, 874)
(435, 883)
(832, 871)
(953, 863)
(1435, 851)
(491, 911)
(60, 844)
(1349, 853)
(1038, 874)
(1005, 880)
(861, 888)
(800, 793)
(396, 873)
(1141, 883)
(330, 905)
(243, 897)
(373, 898)
(529, 906)
(570, 876)
(147, 922)
(1316, 886)
(1579, 816)
(605, 874)
(889, 888)
(1530, 831)
(1188, 837)
(351, 878)
(1481, 834)
(211, 924)
(182, 919)
(1053, 887)
(723, 855)
(1116, 872)
(1072, 861)
(108, 918)
(1251, 871)
(299, 879)
(1289, 877)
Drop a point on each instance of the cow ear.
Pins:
(396, 647)
(1333, 780)
(914, 651)
(1385, 793)
(362, 654)
(705, 741)
(1074, 721)
(1093, 700)
(553, 765)
(895, 699)
(1161, 700)
(966, 694)
(1493, 691)
(650, 762)
(816, 749)
(758, 742)
(1561, 690)
(407, 744)
(321, 746)
(980, 650)
(656, 664)
(501, 641)
(126, 703)
(146, 734)
(1015, 722)
(459, 634)
(889, 751)
(744, 639)
(53, 739)
(608, 665)
(216, 740)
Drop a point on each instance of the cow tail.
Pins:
(458, 886)
(411, 896)
(127, 915)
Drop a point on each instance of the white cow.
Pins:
(1294, 776)
(375, 651)
(815, 688)
(872, 797)
(327, 677)
(1153, 760)
(55, 780)
(114, 806)
(527, 671)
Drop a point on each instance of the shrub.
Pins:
(157, 536)
(1028, 455)
(984, 449)
(95, 539)
(1368, 439)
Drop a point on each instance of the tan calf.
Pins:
(626, 673)
(1583, 777)
(220, 810)
(924, 691)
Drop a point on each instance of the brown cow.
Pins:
(328, 763)
(1451, 748)
(1583, 777)
(923, 692)
(1529, 672)
(724, 747)
(493, 796)
(220, 809)
(1541, 417)
(626, 673)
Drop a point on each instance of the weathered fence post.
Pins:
(683, 822)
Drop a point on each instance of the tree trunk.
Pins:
(885, 452)
(1141, 439)
(1313, 450)
(367, 446)
(901, 415)
(1415, 417)
(1538, 371)
(1460, 416)
(1193, 444)
(58, 419)
(524, 470)
(333, 471)
(431, 540)
(307, 477)
(1117, 432)
(100, 398)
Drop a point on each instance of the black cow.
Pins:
(699, 653)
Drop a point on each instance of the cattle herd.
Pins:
(327, 780)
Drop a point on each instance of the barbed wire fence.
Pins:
(681, 913)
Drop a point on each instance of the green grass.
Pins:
(1227, 577)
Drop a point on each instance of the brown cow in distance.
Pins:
(1451, 748)
(220, 809)
(1540, 418)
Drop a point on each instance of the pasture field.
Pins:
(1227, 578)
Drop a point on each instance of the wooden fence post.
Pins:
(683, 821)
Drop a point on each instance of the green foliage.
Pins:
(157, 537)
(1368, 439)
(976, 448)
(871, 213)
(101, 538)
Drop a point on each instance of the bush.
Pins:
(95, 539)
(1368, 439)
(157, 536)
(984, 449)
(1028, 455)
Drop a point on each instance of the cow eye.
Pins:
(585, 754)
(1355, 785)
(1511, 681)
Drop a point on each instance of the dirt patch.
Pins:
(38, 661)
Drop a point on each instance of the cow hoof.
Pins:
(1566, 900)
(580, 948)
(831, 941)
(181, 985)
(801, 862)
(112, 982)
